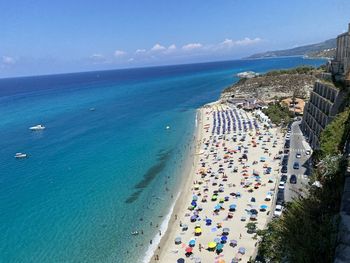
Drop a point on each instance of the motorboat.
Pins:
(21, 155)
(38, 127)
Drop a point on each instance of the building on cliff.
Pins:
(326, 98)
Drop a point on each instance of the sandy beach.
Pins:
(230, 182)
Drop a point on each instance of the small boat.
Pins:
(167, 127)
(20, 155)
(38, 127)
(134, 233)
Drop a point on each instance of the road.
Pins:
(297, 145)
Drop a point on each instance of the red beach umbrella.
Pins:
(188, 250)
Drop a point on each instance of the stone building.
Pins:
(327, 99)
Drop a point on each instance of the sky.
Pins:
(46, 37)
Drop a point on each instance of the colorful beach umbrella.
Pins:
(189, 250)
(211, 245)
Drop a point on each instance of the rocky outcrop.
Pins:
(271, 86)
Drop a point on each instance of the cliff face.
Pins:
(268, 87)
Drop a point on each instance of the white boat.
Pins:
(38, 127)
(20, 155)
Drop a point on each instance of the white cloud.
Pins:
(138, 51)
(172, 47)
(6, 60)
(119, 53)
(158, 47)
(248, 41)
(192, 46)
(131, 59)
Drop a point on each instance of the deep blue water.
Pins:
(92, 177)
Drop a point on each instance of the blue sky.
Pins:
(43, 37)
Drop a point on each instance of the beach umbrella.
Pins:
(189, 250)
(219, 247)
(178, 240)
(180, 260)
(197, 260)
(193, 218)
(225, 230)
(211, 245)
(193, 203)
(222, 200)
(198, 231)
(217, 207)
(223, 239)
(233, 207)
(195, 198)
(253, 211)
(241, 250)
(208, 222)
(220, 261)
(263, 207)
(184, 227)
(217, 240)
(233, 242)
(192, 243)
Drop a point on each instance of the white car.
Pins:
(308, 152)
(288, 136)
(281, 185)
(278, 210)
(298, 155)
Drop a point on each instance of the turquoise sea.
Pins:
(94, 176)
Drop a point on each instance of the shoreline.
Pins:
(187, 175)
(205, 156)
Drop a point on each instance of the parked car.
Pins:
(284, 178)
(296, 165)
(284, 169)
(281, 186)
(285, 161)
(308, 152)
(298, 155)
(278, 211)
(293, 179)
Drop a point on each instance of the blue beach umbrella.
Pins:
(223, 239)
(193, 203)
(233, 207)
(217, 207)
(192, 243)
(219, 247)
(217, 240)
(263, 207)
(208, 222)
(241, 250)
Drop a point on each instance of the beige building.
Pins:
(326, 99)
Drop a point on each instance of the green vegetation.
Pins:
(307, 230)
(333, 137)
(278, 114)
(297, 70)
